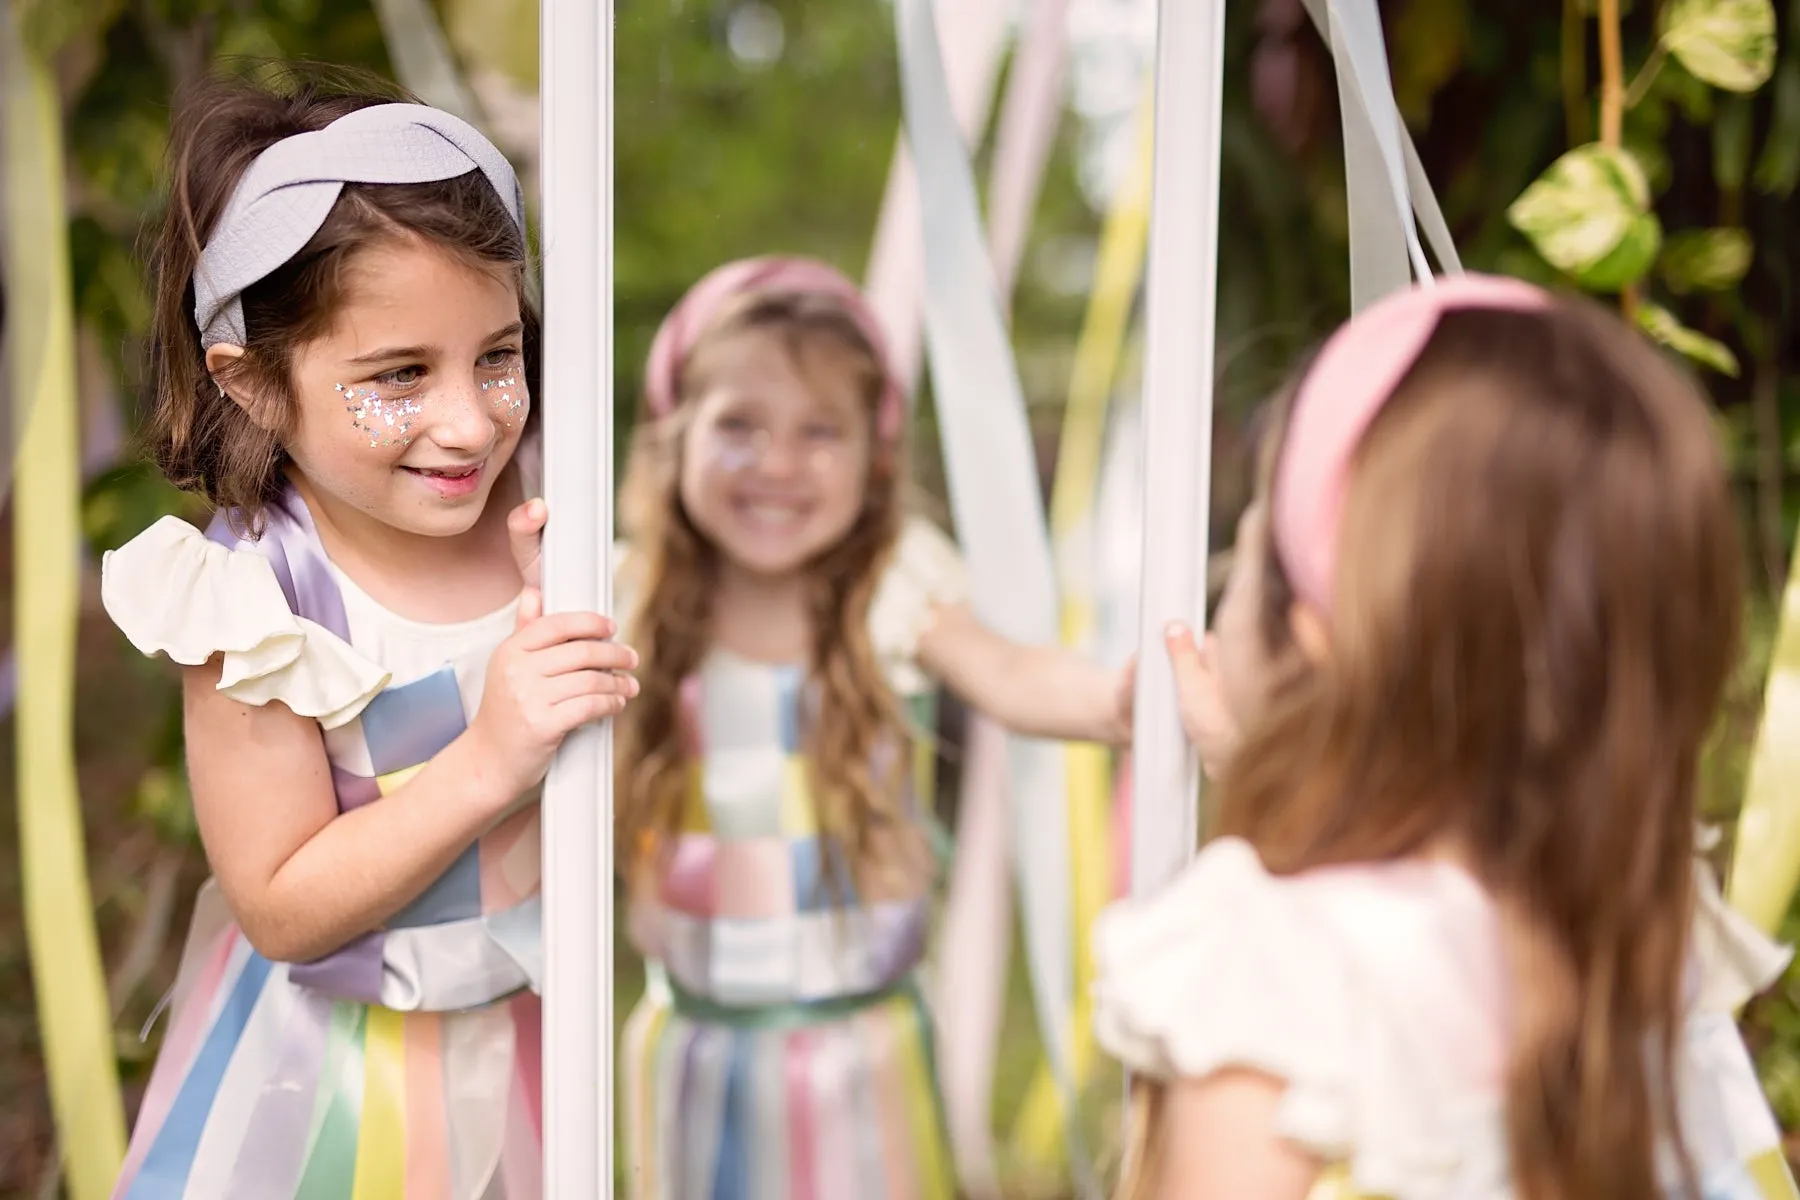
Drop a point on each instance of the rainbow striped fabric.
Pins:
(781, 1050)
(404, 1066)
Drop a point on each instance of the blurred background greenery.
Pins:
(722, 153)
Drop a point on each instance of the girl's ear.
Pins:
(222, 358)
(1311, 633)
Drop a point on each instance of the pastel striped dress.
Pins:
(782, 1049)
(406, 1065)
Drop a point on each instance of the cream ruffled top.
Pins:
(926, 573)
(1376, 993)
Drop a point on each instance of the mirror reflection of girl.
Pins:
(771, 828)
(1450, 932)
(371, 690)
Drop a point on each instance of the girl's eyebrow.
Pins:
(388, 353)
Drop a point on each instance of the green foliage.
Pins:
(1729, 44)
(1590, 215)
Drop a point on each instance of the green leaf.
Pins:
(1728, 43)
(1590, 203)
(1705, 260)
(1629, 261)
(1662, 325)
(1731, 143)
(1778, 170)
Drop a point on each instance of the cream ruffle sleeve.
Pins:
(927, 573)
(171, 590)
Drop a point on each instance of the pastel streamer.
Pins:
(976, 933)
(1765, 865)
(1117, 275)
(896, 280)
(74, 1019)
(992, 477)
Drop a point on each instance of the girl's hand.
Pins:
(553, 675)
(525, 527)
(1200, 697)
(1124, 701)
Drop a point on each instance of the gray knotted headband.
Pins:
(288, 192)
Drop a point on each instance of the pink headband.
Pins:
(700, 307)
(1356, 372)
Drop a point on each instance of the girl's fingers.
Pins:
(531, 609)
(583, 654)
(525, 531)
(543, 632)
(559, 689)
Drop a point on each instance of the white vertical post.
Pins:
(1181, 318)
(577, 151)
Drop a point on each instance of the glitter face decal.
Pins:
(739, 452)
(735, 453)
(510, 400)
(386, 422)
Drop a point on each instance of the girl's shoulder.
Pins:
(174, 591)
(1375, 992)
(925, 574)
(1224, 968)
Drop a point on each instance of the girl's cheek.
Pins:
(508, 399)
(379, 419)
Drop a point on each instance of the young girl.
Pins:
(342, 360)
(1451, 939)
(773, 823)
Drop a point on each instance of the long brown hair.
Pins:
(855, 734)
(1536, 610)
(200, 438)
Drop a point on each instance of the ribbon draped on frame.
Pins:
(993, 488)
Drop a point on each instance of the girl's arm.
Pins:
(301, 879)
(1221, 1144)
(1040, 691)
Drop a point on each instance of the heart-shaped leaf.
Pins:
(1728, 43)
(1591, 204)
(1706, 260)
(1662, 325)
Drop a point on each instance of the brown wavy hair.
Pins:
(855, 734)
(1536, 610)
(201, 439)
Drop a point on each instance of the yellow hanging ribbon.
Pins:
(73, 1015)
(1765, 866)
(1118, 270)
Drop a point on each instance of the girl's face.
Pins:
(776, 457)
(412, 403)
(1245, 662)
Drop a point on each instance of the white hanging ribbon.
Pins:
(976, 935)
(896, 279)
(994, 492)
(1384, 180)
(577, 805)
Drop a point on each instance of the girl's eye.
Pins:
(499, 360)
(401, 376)
(736, 426)
(824, 433)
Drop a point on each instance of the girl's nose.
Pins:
(781, 456)
(462, 418)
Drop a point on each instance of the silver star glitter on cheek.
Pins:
(512, 396)
(387, 422)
